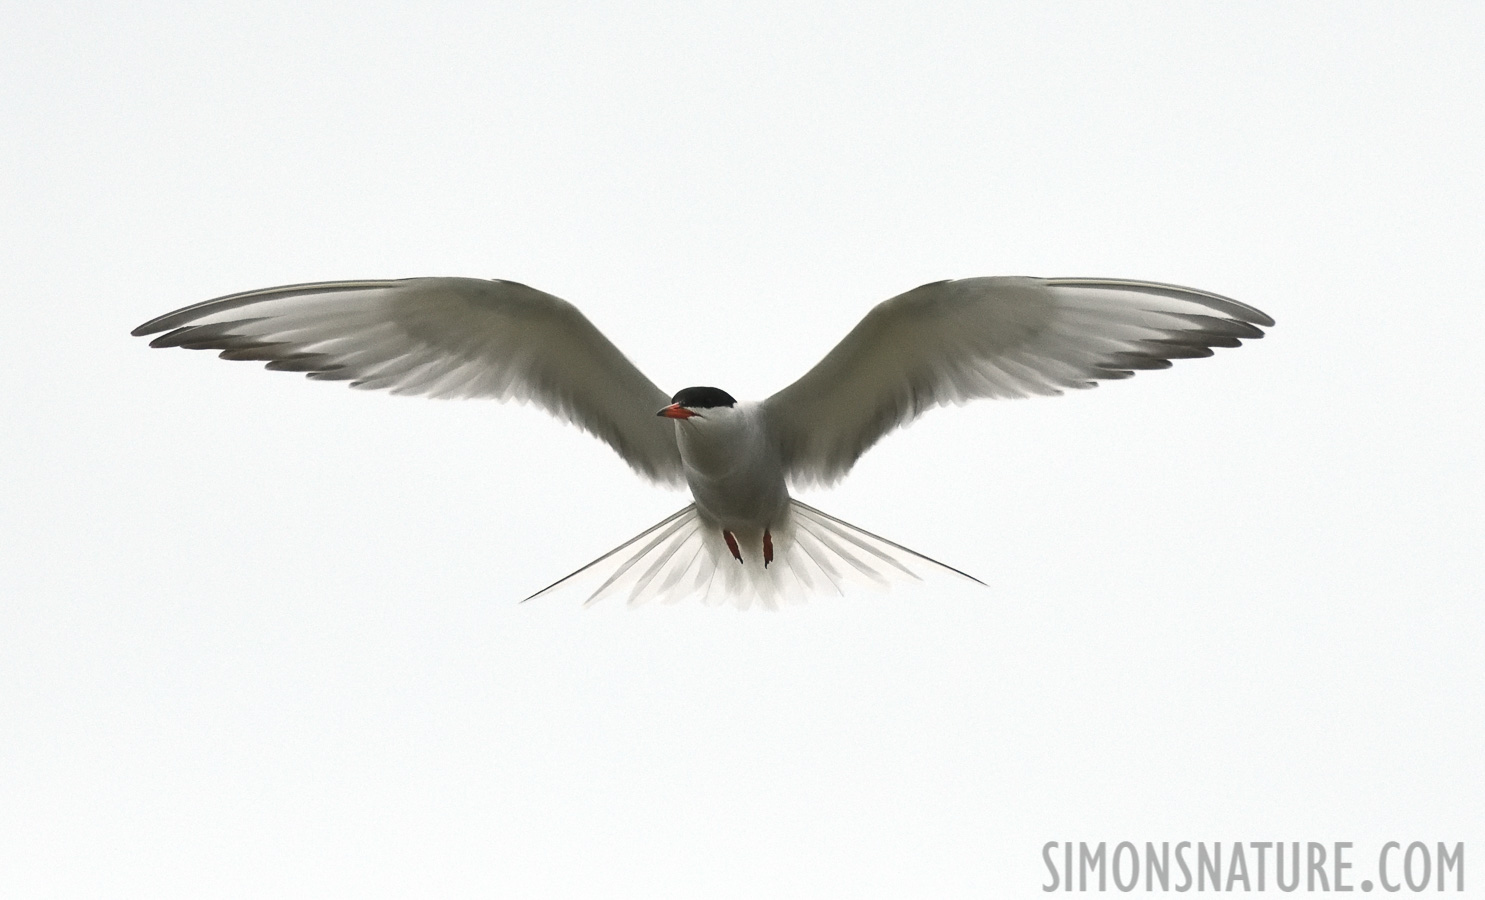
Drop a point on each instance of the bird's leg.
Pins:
(731, 544)
(767, 548)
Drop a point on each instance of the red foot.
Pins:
(767, 548)
(731, 544)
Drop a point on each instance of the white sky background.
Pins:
(259, 636)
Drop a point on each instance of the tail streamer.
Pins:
(686, 555)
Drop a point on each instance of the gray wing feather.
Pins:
(443, 337)
(955, 341)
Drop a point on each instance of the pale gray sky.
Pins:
(259, 636)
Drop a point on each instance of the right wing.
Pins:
(954, 341)
(443, 337)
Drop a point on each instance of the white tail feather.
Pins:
(684, 554)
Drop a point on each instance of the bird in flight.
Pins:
(744, 539)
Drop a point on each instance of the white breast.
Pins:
(733, 466)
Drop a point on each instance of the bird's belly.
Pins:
(739, 499)
(734, 473)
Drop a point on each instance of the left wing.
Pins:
(954, 341)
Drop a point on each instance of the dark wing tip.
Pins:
(168, 339)
(185, 315)
(1233, 308)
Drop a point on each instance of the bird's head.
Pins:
(697, 401)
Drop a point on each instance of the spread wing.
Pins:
(443, 337)
(955, 341)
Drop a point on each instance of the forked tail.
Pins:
(684, 554)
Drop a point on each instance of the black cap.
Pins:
(703, 398)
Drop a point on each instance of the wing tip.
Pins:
(1237, 309)
(153, 326)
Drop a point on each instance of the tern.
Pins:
(744, 538)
